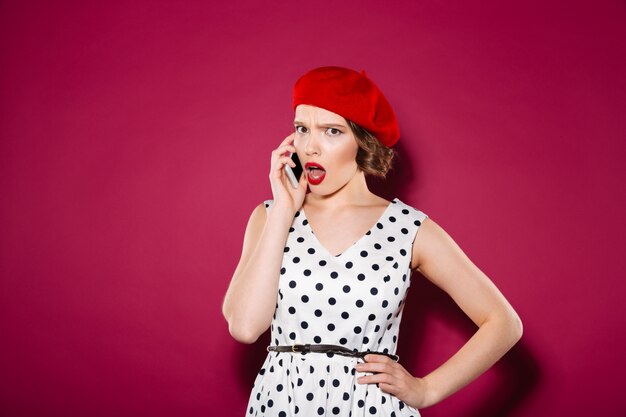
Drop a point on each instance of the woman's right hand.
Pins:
(285, 196)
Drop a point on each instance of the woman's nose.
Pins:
(311, 147)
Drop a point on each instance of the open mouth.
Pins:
(315, 173)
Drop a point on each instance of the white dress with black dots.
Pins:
(355, 300)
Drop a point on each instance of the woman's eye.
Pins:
(301, 129)
(333, 132)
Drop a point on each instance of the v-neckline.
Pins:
(356, 242)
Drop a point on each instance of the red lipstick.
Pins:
(315, 173)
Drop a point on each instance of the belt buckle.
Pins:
(297, 348)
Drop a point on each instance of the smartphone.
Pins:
(294, 173)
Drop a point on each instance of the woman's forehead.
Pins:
(305, 112)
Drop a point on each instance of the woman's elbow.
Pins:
(509, 325)
(515, 325)
(242, 334)
(241, 326)
(243, 337)
(519, 327)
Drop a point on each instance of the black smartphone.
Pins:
(294, 173)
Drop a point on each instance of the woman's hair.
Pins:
(373, 157)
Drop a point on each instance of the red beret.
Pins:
(349, 94)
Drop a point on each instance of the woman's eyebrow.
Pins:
(297, 122)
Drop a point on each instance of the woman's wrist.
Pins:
(430, 394)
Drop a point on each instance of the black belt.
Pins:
(339, 350)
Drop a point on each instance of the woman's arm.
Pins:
(441, 260)
(251, 297)
(250, 300)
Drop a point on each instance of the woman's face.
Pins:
(326, 147)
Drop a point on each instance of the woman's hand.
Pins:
(392, 378)
(285, 196)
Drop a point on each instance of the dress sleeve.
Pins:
(410, 220)
(268, 204)
(418, 218)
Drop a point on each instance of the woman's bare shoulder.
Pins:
(254, 228)
(259, 214)
(432, 245)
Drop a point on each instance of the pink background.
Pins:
(135, 140)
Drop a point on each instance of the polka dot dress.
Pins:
(355, 300)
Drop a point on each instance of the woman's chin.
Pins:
(325, 190)
(319, 189)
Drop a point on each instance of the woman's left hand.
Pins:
(392, 378)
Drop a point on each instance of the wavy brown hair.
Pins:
(373, 157)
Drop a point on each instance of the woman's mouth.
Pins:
(315, 173)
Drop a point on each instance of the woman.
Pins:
(329, 270)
